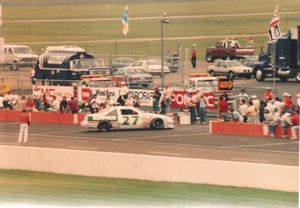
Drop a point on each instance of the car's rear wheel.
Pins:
(104, 126)
(209, 57)
(157, 123)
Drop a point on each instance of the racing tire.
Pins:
(209, 57)
(259, 75)
(157, 123)
(231, 75)
(104, 126)
(15, 66)
(298, 76)
(212, 73)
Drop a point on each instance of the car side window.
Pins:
(113, 113)
(128, 112)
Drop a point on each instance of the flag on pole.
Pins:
(125, 21)
(274, 29)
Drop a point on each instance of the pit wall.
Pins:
(153, 168)
(245, 129)
(43, 117)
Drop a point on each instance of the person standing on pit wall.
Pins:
(123, 94)
(24, 126)
(194, 56)
(156, 98)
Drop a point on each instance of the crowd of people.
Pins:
(271, 110)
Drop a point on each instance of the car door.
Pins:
(8, 55)
(129, 118)
(223, 68)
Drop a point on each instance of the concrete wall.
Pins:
(155, 168)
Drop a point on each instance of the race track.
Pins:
(188, 141)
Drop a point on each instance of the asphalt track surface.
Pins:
(185, 141)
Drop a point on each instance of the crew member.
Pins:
(24, 126)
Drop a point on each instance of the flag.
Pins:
(125, 21)
(274, 29)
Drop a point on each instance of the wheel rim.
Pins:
(258, 74)
(209, 57)
(298, 76)
(230, 75)
(212, 73)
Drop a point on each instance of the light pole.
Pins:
(162, 22)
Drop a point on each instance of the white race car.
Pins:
(126, 117)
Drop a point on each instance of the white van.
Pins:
(16, 56)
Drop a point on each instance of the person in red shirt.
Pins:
(73, 105)
(194, 56)
(224, 108)
(29, 104)
(25, 122)
(268, 94)
(295, 128)
(287, 103)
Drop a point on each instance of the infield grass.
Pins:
(17, 187)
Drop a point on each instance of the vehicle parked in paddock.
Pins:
(230, 68)
(227, 49)
(134, 77)
(151, 66)
(126, 117)
(16, 56)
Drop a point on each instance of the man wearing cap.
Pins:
(287, 103)
(25, 122)
(123, 94)
(268, 94)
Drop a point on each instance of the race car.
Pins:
(126, 117)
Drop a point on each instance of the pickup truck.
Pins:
(227, 49)
(16, 56)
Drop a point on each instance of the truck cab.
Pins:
(16, 56)
(202, 82)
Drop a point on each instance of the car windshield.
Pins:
(22, 50)
(234, 64)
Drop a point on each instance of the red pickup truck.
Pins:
(227, 49)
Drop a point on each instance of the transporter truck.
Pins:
(282, 59)
(63, 67)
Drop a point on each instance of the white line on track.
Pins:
(249, 160)
(260, 145)
(130, 140)
(83, 148)
(164, 153)
(57, 132)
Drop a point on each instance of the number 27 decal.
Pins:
(128, 120)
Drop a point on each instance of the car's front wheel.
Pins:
(260, 75)
(212, 73)
(298, 76)
(157, 123)
(231, 75)
(104, 126)
(209, 57)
